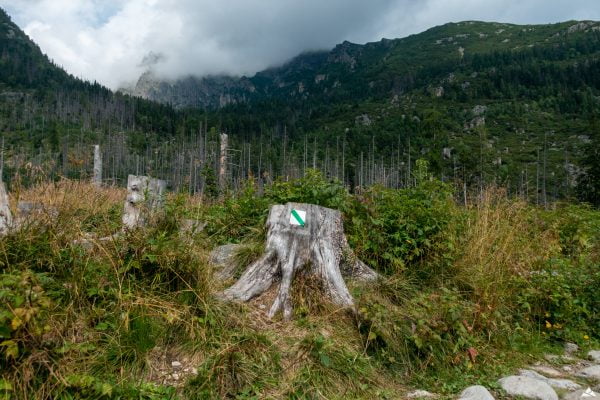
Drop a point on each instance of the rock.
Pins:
(176, 365)
(363, 120)
(527, 387)
(476, 392)
(194, 371)
(547, 371)
(571, 348)
(592, 372)
(223, 259)
(555, 383)
(578, 395)
(175, 376)
(594, 355)
(420, 394)
(479, 110)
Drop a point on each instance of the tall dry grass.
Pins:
(503, 241)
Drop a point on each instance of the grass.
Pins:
(469, 302)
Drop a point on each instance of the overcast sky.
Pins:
(114, 41)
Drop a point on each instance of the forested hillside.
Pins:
(484, 103)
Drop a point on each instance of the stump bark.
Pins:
(6, 220)
(145, 197)
(97, 177)
(301, 238)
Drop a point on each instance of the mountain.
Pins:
(482, 103)
(380, 69)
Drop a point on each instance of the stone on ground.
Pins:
(578, 395)
(420, 394)
(571, 348)
(594, 355)
(555, 383)
(223, 259)
(476, 392)
(527, 387)
(592, 373)
(547, 371)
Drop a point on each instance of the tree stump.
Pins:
(6, 220)
(145, 197)
(306, 238)
(97, 177)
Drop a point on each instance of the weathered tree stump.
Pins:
(6, 220)
(145, 197)
(301, 238)
(97, 177)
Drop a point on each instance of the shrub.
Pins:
(392, 229)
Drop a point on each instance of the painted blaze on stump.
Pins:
(302, 238)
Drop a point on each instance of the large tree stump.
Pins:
(307, 238)
(145, 197)
(6, 220)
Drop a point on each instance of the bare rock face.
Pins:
(301, 239)
(528, 388)
(476, 392)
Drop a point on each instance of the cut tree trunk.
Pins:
(97, 178)
(301, 238)
(6, 220)
(145, 198)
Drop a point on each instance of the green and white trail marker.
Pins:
(298, 217)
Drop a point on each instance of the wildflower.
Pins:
(548, 325)
(586, 337)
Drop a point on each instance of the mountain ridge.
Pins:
(309, 70)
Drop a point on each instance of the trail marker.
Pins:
(298, 217)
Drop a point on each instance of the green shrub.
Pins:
(391, 229)
(312, 188)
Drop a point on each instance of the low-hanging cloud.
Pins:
(114, 41)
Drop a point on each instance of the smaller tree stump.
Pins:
(301, 238)
(97, 177)
(6, 219)
(145, 197)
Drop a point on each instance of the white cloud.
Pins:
(107, 40)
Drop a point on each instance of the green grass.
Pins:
(78, 324)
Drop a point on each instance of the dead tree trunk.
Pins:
(223, 162)
(144, 199)
(301, 238)
(6, 220)
(97, 178)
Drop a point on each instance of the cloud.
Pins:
(114, 41)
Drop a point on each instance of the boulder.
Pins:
(527, 387)
(555, 383)
(476, 392)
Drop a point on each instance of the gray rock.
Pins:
(527, 387)
(592, 372)
(594, 355)
(571, 348)
(223, 258)
(476, 392)
(547, 371)
(555, 383)
(176, 365)
(578, 395)
(420, 394)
